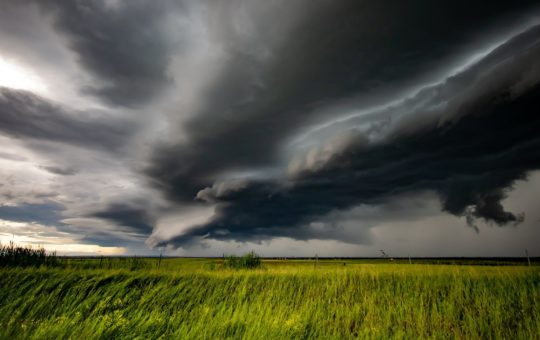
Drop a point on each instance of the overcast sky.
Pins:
(292, 128)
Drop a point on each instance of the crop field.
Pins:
(298, 299)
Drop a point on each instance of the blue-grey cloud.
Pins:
(124, 48)
(133, 217)
(470, 153)
(273, 86)
(27, 116)
(47, 214)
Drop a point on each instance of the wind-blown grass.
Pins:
(283, 300)
(12, 255)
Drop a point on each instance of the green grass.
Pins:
(12, 255)
(199, 299)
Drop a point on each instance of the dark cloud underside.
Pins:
(471, 157)
(46, 214)
(27, 116)
(136, 219)
(470, 164)
(269, 91)
(124, 48)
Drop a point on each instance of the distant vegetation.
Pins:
(13, 255)
(249, 261)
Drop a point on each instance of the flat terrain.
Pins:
(198, 299)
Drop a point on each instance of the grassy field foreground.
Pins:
(192, 299)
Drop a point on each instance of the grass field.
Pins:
(198, 299)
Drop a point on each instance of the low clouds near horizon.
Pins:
(204, 127)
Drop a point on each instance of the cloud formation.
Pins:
(203, 123)
(124, 47)
(458, 141)
(27, 116)
(272, 86)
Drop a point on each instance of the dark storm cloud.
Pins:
(468, 168)
(277, 76)
(124, 47)
(470, 153)
(46, 214)
(27, 116)
(133, 217)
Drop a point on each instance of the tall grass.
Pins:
(12, 255)
(183, 300)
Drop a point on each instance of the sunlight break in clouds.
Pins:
(15, 76)
(52, 240)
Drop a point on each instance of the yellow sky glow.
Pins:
(63, 248)
(37, 235)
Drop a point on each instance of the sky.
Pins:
(292, 128)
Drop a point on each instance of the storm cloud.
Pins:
(278, 79)
(467, 150)
(47, 213)
(25, 115)
(124, 47)
(135, 218)
(189, 124)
